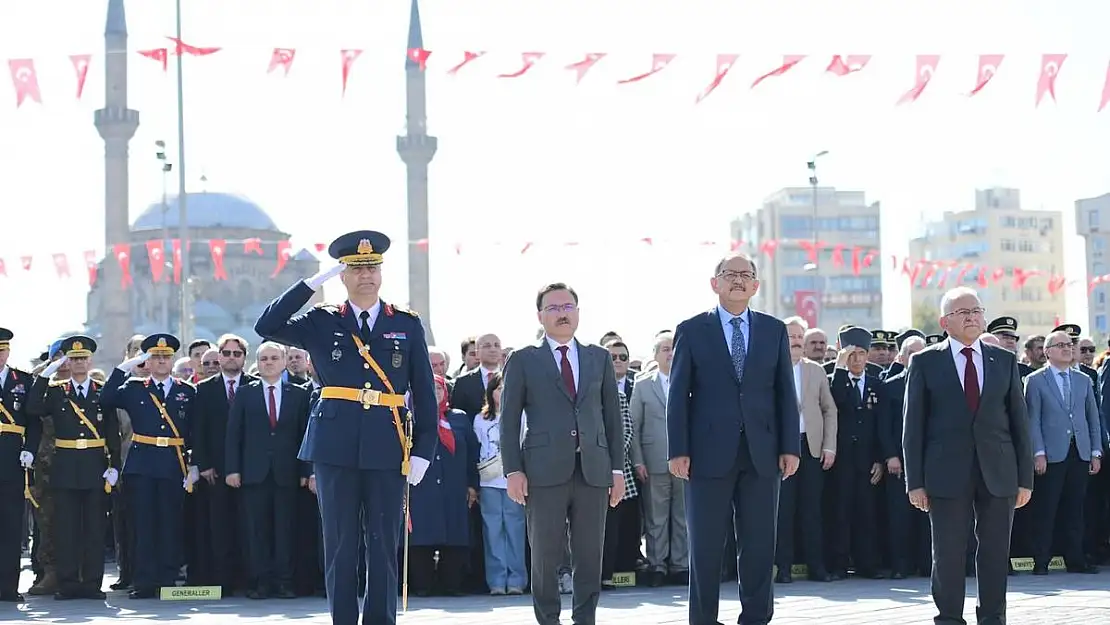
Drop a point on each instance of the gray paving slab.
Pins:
(1054, 599)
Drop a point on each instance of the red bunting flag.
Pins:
(1021, 276)
(963, 273)
(320, 247)
(1050, 68)
(812, 248)
(253, 245)
(1056, 284)
(659, 62)
(857, 261)
(25, 80)
(769, 247)
(156, 254)
(838, 255)
(468, 57)
(988, 67)
(61, 265)
(849, 64)
(528, 60)
(182, 48)
(807, 307)
(788, 62)
(583, 66)
(926, 67)
(724, 64)
(1105, 91)
(284, 253)
(122, 252)
(283, 58)
(218, 248)
(176, 261)
(348, 58)
(162, 55)
(90, 266)
(420, 57)
(527, 246)
(3, 268)
(81, 69)
(26, 261)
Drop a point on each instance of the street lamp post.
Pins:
(182, 193)
(815, 266)
(166, 168)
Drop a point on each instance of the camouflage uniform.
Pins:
(44, 514)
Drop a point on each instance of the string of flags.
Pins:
(281, 61)
(162, 262)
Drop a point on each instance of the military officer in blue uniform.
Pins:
(1006, 329)
(19, 440)
(156, 471)
(367, 354)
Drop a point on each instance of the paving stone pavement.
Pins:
(1055, 599)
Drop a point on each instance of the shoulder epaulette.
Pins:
(58, 383)
(183, 382)
(326, 306)
(18, 372)
(135, 380)
(390, 308)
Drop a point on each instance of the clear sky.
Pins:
(538, 159)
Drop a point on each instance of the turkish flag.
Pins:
(90, 265)
(25, 80)
(253, 245)
(988, 67)
(926, 67)
(807, 305)
(177, 261)
(848, 64)
(81, 69)
(529, 60)
(218, 248)
(122, 252)
(156, 253)
(1050, 68)
(420, 57)
(162, 55)
(583, 66)
(659, 62)
(284, 253)
(467, 58)
(788, 62)
(61, 265)
(1105, 92)
(283, 58)
(724, 65)
(349, 57)
(183, 48)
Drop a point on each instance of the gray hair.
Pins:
(271, 345)
(954, 294)
(659, 338)
(796, 321)
(910, 343)
(812, 331)
(432, 349)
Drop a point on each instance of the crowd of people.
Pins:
(201, 468)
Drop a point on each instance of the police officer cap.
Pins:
(855, 337)
(843, 328)
(78, 347)
(933, 339)
(161, 345)
(6, 337)
(362, 248)
(882, 337)
(54, 349)
(1003, 325)
(901, 338)
(1072, 329)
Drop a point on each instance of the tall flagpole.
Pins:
(182, 194)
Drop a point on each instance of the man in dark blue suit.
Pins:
(157, 477)
(733, 427)
(367, 354)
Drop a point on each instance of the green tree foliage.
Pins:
(925, 318)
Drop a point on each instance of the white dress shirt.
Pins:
(798, 392)
(665, 381)
(3, 376)
(485, 375)
(81, 388)
(961, 360)
(167, 384)
(238, 382)
(572, 356)
(373, 310)
(266, 386)
(745, 326)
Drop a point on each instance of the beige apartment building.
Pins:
(1092, 222)
(828, 291)
(998, 233)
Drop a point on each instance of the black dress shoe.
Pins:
(93, 593)
(820, 576)
(285, 592)
(681, 578)
(122, 584)
(897, 575)
(142, 593)
(655, 579)
(257, 593)
(783, 577)
(11, 597)
(1086, 569)
(1040, 570)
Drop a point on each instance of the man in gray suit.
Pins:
(1067, 448)
(668, 552)
(569, 463)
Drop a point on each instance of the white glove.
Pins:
(112, 476)
(417, 468)
(26, 459)
(54, 366)
(318, 280)
(129, 364)
(191, 478)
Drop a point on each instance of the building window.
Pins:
(1025, 245)
(1007, 245)
(1098, 245)
(1100, 323)
(1098, 268)
(1100, 298)
(798, 283)
(1092, 218)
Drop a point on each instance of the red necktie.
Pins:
(446, 436)
(273, 409)
(567, 373)
(971, 381)
(230, 391)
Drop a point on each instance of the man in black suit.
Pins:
(265, 427)
(469, 393)
(968, 452)
(214, 397)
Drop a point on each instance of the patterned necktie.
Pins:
(567, 372)
(1066, 379)
(273, 409)
(739, 352)
(230, 391)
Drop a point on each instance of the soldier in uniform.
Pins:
(830, 366)
(19, 440)
(85, 468)
(882, 348)
(156, 472)
(46, 581)
(899, 364)
(367, 354)
(1005, 328)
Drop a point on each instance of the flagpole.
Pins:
(182, 194)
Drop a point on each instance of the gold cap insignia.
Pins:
(77, 346)
(161, 342)
(364, 247)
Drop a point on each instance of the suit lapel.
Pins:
(718, 342)
(548, 355)
(286, 405)
(347, 319)
(586, 367)
(657, 388)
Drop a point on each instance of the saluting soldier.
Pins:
(43, 553)
(86, 461)
(367, 354)
(830, 366)
(1005, 328)
(899, 364)
(157, 476)
(19, 440)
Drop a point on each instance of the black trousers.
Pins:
(1062, 489)
(11, 541)
(122, 529)
(219, 536)
(79, 527)
(852, 540)
(156, 507)
(1096, 513)
(308, 575)
(949, 518)
(271, 515)
(800, 506)
(426, 576)
(907, 529)
(622, 538)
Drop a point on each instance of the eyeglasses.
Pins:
(967, 312)
(231, 353)
(733, 276)
(1061, 344)
(560, 308)
(620, 357)
(209, 363)
(269, 358)
(1087, 350)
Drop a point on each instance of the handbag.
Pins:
(491, 469)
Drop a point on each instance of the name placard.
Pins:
(624, 580)
(191, 593)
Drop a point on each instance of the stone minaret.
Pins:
(417, 148)
(116, 124)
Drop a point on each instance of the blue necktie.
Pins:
(739, 353)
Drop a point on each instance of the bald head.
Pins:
(990, 339)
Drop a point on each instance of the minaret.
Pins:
(116, 124)
(417, 148)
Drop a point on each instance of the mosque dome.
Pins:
(208, 210)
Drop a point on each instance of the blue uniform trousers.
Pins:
(156, 507)
(11, 515)
(344, 492)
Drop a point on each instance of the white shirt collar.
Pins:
(726, 316)
(4, 375)
(373, 310)
(1059, 370)
(572, 345)
(236, 379)
(957, 347)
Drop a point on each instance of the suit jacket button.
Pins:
(574, 432)
(439, 481)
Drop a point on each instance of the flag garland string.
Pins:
(919, 273)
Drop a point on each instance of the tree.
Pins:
(925, 318)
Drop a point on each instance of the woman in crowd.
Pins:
(622, 524)
(502, 518)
